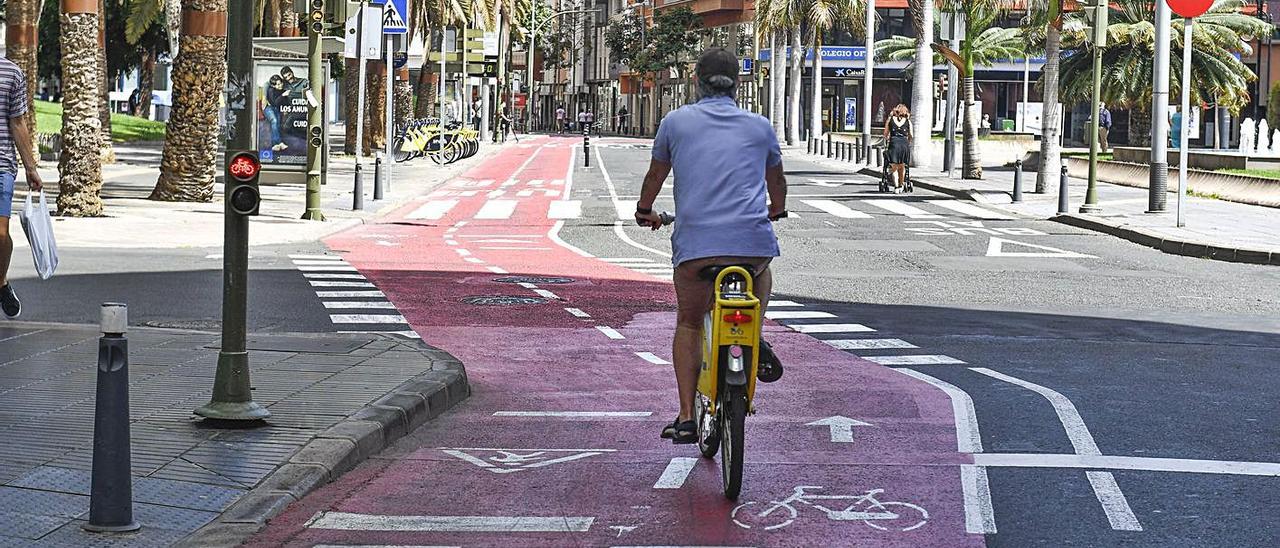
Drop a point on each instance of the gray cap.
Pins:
(717, 62)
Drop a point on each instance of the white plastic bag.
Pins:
(38, 225)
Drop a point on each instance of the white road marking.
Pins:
(622, 235)
(868, 344)
(565, 209)
(840, 427)
(610, 332)
(335, 268)
(979, 516)
(501, 241)
(382, 546)
(836, 208)
(348, 294)
(995, 248)
(796, 314)
(652, 358)
(497, 270)
(575, 414)
(496, 193)
(367, 318)
(784, 304)
(312, 257)
(409, 334)
(522, 236)
(550, 193)
(1119, 514)
(968, 439)
(677, 471)
(451, 524)
(547, 294)
(473, 260)
(901, 208)
(1071, 420)
(829, 327)
(913, 360)
(451, 242)
(510, 248)
(462, 252)
(969, 209)
(577, 313)
(625, 260)
(340, 284)
(554, 232)
(1123, 462)
(433, 210)
(328, 276)
(526, 285)
(497, 209)
(359, 304)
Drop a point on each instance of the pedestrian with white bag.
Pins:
(13, 106)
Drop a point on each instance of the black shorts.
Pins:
(899, 151)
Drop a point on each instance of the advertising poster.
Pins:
(850, 113)
(282, 112)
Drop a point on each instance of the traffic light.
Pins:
(316, 19)
(317, 135)
(242, 175)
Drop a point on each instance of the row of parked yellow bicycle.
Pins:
(444, 145)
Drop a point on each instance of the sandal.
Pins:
(669, 431)
(685, 432)
(770, 366)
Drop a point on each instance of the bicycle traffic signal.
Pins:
(242, 175)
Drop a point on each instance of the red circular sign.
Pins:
(1190, 8)
(244, 166)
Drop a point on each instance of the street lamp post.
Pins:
(1099, 41)
(1159, 175)
(868, 69)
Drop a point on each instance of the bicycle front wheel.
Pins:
(733, 419)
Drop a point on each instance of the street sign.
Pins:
(747, 65)
(393, 14)
(370, 39)
(1190, 8)
(400, 59)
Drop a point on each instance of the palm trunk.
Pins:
(922, 88)
(351, 91)
(271, 18)
(147, 84)
(104, 112)
(776, 80)
(793, 88)
(189, 163)
(1050, 149)
(288, 18)
(79, 164)
(375, 107)
(815, 113)
(402, 96)
(20, 47)
(972, 159)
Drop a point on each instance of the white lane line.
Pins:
(348, 294)
(829, 327)
(968, 209)
(610, 332)
(622, 235)
(677, 471)
(385, 545)
(451, 242)
(575, 414)
(367, 318)
(334, 268)
(497, 270)
(547, 294)
(836, 208)
(497, 209)
(1121, 462)
(784, 304)
(496, 193)
(924, 359)
(979, 516)
(565, 209)
(408, 334)
(868, 344)
(895, 206)
(652, 358)
(313, 257)
(451, 524)
(462, 252)
(521, 236)
(1071, 420)
(527, 285)
(326, 276)
(340, 284)
(968, 438)
(577, 313)
(797, 315)
(1119, 514)
(509, 248)
(473, 260)
(451, 230)
(625, 260)
(359, 304)
(433, 210)
(554, 233)
(314, 262)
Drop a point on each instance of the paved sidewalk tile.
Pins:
(185, 472)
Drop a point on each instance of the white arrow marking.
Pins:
(841, 427)
(996, 249)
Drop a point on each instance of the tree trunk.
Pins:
(1140, 127)
(402, 95)
(777, 77)
(351, 94)
(104, 112)
(922, 89)
(1050, 149)
(815, 129)
(271, 19)
(972, 157)
(375, 107)
(189, 163)
(147, 84)
(80, 164)
(793, 89)
(20, 47)
(288, 18)
(500, 91)
(424, 96)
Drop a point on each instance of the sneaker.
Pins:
(9, 302)
(770, 366)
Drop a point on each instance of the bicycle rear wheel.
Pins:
(397, 152)
(733, 418)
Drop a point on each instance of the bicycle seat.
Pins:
(709, 273)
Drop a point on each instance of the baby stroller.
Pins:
(886, 183)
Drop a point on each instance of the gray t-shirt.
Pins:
(719, 154)
(13, 103)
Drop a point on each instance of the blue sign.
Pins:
(829, 53)
(393, 16)
(747, 65)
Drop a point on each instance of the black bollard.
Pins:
(357, 198)
(586, 147)
(1062, 192)
(377, 177)
(111, 496)
(857, 154)
(1017, 181)
(828, 145)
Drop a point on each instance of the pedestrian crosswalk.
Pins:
(661, 271)
(852, 337)
(353, 303)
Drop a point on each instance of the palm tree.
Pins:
(766, 26)
(922, 82)
(795, 71)
(23, 20)
(189, 162)
(104, 114)
(80, 164)
(822, 18)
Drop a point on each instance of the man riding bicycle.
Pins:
(725, 160)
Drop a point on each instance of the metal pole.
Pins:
(1185, 109)
(232, 397)
(868, 64)
(1026, 93)
(1017, 181)
(529, 101)
(111, 494)
(388, 133)
(586, 147)
(1158, 186)
(1091, 194)
(357, 201)
(444, 31)
(953, 96)
(315, 121)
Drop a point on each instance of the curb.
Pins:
(1186, 248)
(340, 449)
(980, 196)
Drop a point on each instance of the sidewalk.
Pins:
(1215, 229)
(335, 400)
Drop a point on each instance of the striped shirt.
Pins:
(13, 103)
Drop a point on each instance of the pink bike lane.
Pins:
(558, 444)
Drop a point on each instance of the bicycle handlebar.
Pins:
(668, 218)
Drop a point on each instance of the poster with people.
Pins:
(282, 112)
(850, 113)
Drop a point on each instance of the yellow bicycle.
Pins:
(443, 146)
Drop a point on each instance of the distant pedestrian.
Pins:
(133, 102)
(591, 120)
(1104, 127)
(582, 120)
(13, 107)
(560, 121)
(622, 118)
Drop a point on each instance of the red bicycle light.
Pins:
(244, 166)
(737, 318)
(735, 351)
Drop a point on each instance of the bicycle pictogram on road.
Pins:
(885, 516)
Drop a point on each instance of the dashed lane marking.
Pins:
(315, 257)
(497, 209)
(349, 294)
(931, 359)
(497, 270)
(796, 315)
(783, 304)
(1119, 514)
(433, 210)
(473, 260)
(359, 304)
(652, 358)
(327, 268)
(830, 328)
(979, 515)
(510, 248)
(969, 209)
(566, 209)
(367, 318)
(547, 294)
(610, 332)
(345, 521)
(868, 344)
(322, 283)
(902, 208)
(575, 414)
(676, 472)
(318, 262)
(331, 276)
(577, 313)
(836, 208)
(463, 252)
